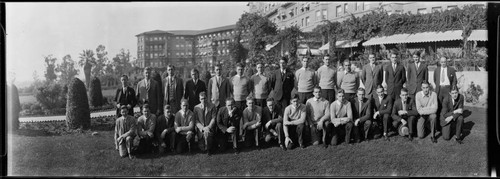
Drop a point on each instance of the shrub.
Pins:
(49, 95)
(77, 106)
(14, 106)
(95, 93)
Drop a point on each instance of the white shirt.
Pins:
(417, 64)
(445, 73)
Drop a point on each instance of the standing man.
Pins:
(444, 78)
(293, 122)
(327, 75)
(249, 71)
(262, 86)
(145, 130)
(193, 89)
(371, 76)
(273, 120)
(348, 80)
(251, 123)
(205, 115)
(394, 76)
(362, 114)
(427, 105)
(241, 86)
(218, 88)
(125, 96)
(306, 80)
(228, 121)
(417, 73)
(184, 126)
(404, 113)
(165, 131)
(318, 115)
(451, 114)
(174, 89)
(282, 83)
(382, 108)
(125, 131)
(148, 92)
(341, 117)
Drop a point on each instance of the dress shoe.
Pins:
(458, 141)
(410, 138)
(386, 138)
(433, 140)
(236, 151)
(302, 146)
(325, 146)
(283, 147)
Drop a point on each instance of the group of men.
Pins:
(248, 107)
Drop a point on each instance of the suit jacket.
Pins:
(282, 86)
(151, 95)
(384, 106)
(192, 92)
(364, 113)
(163, 123)
(416, 77)
(371, 78)
(224, 89)
(449, 107)
(125, 98)
(394, 79)
(179, 93)
(275, 116)
(410, 107)
(452, 77)
(206, 118)
(224, 121)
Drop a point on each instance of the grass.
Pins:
(83, 154)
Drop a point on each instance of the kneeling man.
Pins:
(205, 113)
(427, 105)
(273, 120)
(145, 130)
(251, 123)
(404, 113)
(184, 126)
(341, 117)
(451, 114)
(318, 115)
(294, 118)
(125, 131)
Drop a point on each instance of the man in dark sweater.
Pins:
(228, 121)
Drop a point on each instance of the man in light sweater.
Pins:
(251, 124)
(184, 127)
(341, 117)
(241, 86)
(318, 115)
(427, 105)
(145, 130)
(293, 122)
(327, 75)
(348, 80)
(262, 86)
(306, 79)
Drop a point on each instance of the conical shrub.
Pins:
(14, 107)
(77, 106)
(95, 93)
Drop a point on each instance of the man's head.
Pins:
(371, 58)
(218, 70)
(195, 74)
(270, 103)
(361, 94)
(203, 98)
(259, 67)
(442, 61)
(250, 102)
(317, 92)
(394, 57)
(123, 110)
(145, 110)
(124, 80)
(230, 103)
(416, 56)
(340, 95)
(305, 62)
(454, 92)
(239, 69)
(295, 100)
(380, 91)
(167, 110)
(283, 62)
(184, 105)
(347, 65)
(170, 70)
(404, 94)
(247, 61)
(425, 87)
(147, 72)
(326, 60)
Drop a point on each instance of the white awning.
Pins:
(341, 44)
(313, 51)
(270, 46)
(476, 35)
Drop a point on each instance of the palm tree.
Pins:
(87, 59)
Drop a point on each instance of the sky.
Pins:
(36, 30)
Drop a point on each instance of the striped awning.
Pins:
(476, 35)
(341, 44)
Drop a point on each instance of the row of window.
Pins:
(220, 34)
(142, 39)
(155, 55)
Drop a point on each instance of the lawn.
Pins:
(35, 153)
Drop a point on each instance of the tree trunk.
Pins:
(86, 71)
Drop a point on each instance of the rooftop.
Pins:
(190, 32)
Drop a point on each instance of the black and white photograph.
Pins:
(248, 89)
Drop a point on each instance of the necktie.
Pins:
(203, 116)
(404, 106)
(442, 75)
(360, 103)
(394, 67)
(372, 66)
(218, 81)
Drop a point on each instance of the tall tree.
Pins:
(258, 30)
(289, 37)
(87, 60)
(101, 61)
(66, 69)
(50, 67)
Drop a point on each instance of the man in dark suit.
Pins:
(371, 76)
(193, 89)
(174, 90)
(417, 73)
(444, 78)
(249, 69)
(362, 114)
(395, 76)
(453, 106)
(272, 117)
(148, 91)
(125, 96)
(205, 116)
(218, 88)
(382, 108)
(228, 122)
(282, 83)
(164, 131)
(404, 112)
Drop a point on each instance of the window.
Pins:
(182, 37)
(436, 9)
(307, 21)
(318, 15)
(422, 11)
(325, 14)
(339, 11)
(177, 53)
(345, 8)
(177, 46)
(182, 53)
(452, 7)
(302, 22)
(182, 45)
(367, 6)
(479, 5)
